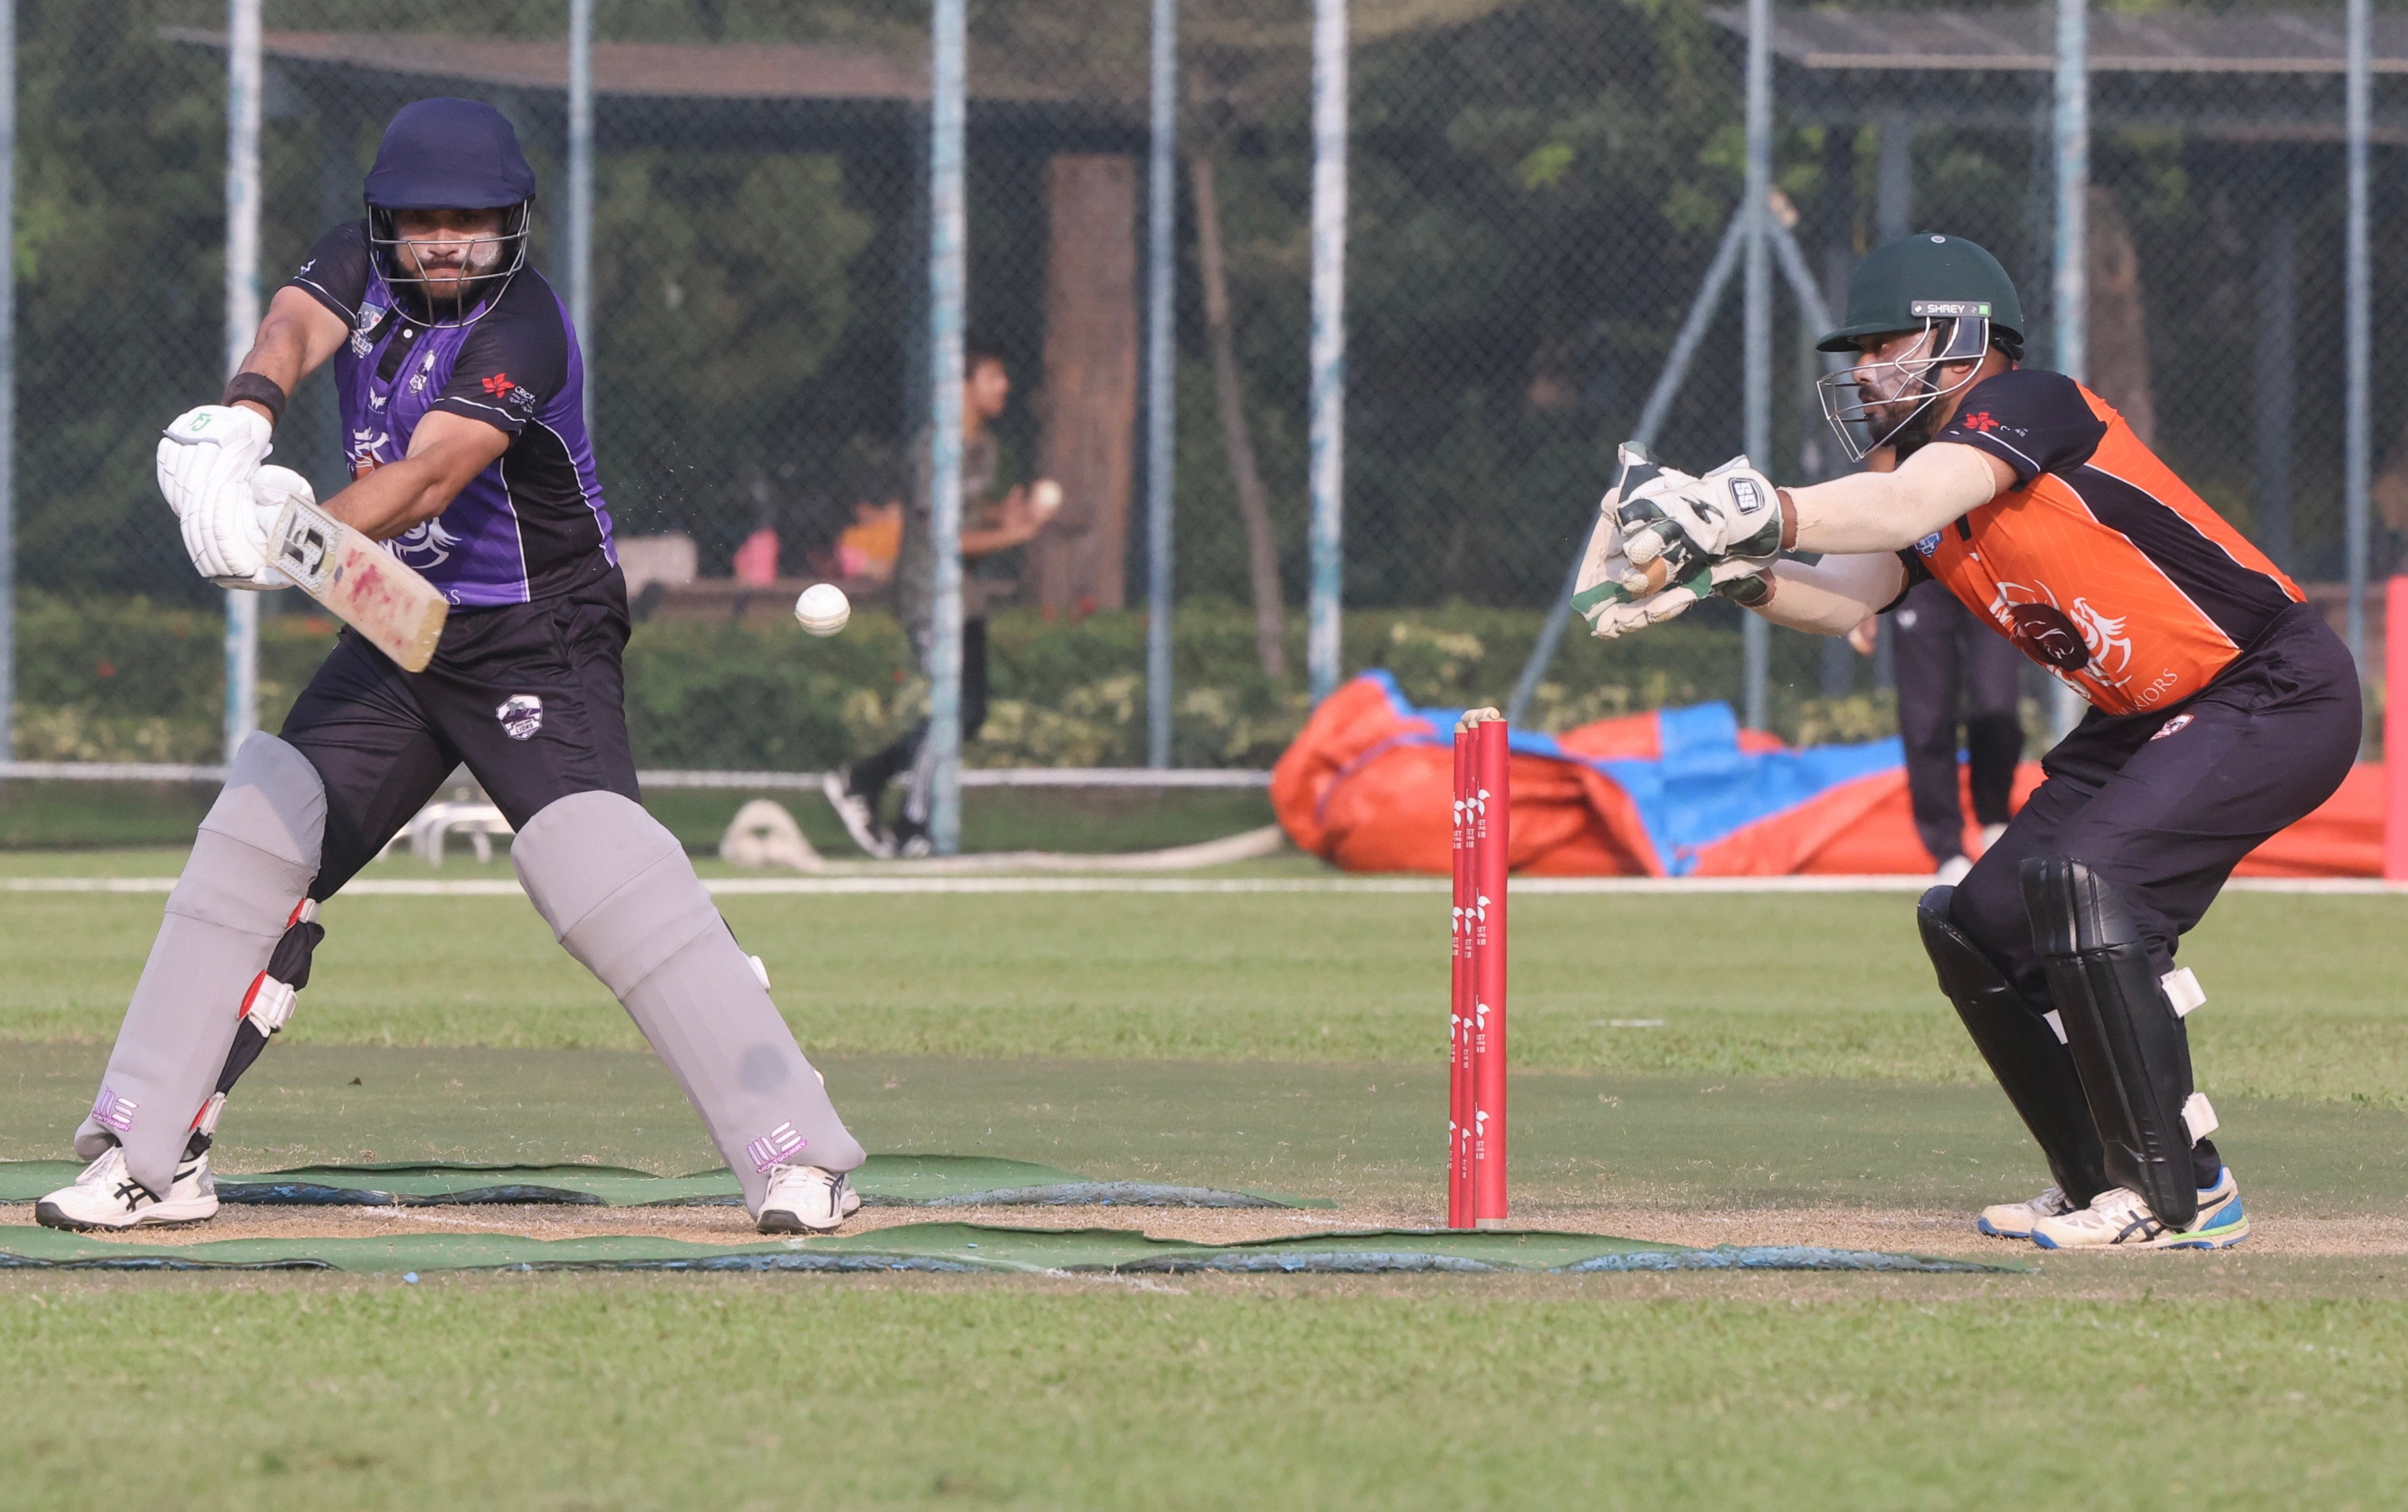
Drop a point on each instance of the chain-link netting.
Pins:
(1539, 192)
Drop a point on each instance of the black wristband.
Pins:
(258, 389)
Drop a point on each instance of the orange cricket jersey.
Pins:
(2100, 564)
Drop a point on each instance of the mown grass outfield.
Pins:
(1803, 1071)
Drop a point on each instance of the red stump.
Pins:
(1476, 1139)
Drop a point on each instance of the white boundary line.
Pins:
(860, 885)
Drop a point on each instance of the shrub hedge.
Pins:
(124, 678)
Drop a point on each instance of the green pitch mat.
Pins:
(885, 1180)
(957, 1247)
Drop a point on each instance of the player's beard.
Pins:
(450, 278)
(1916, 431)
(1905, 422)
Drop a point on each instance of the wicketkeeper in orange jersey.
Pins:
(2222, 708)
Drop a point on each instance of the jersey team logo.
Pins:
(424, 545)
(2172, 727)
(521, 717)
(2083, 639)
(366, 326)
(2039, 628)
(2110, 648)
(1982, 422)
(365, 448)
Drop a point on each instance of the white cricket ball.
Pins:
(823, 608)
(1045, 498)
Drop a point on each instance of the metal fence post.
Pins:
(948, 279)
(1325, 444)
(7, 380)
(1652, 418)
(242, 324)
(1755, 638)
(1161, 415)
(2070, 292)
(2357, 322)
(580, 182)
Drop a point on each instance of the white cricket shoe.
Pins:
(2014, 1221)
(2117, 1218)
(804, 1199)
(106, 1197)
(1953, 870)
(860, 817)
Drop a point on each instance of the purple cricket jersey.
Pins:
(531, 525)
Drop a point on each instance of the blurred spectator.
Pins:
(756, 560)
(869, 546)
(988, 525)
(1949, 659)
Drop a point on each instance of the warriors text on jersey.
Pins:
(531, 525)
(2100, 563)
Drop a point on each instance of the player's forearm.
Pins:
(294, 341)
(280, 353)
(395, 499)
(1832, 596)
(1870, 512)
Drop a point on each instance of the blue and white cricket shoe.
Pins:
(2118, 1218)
(2014, 1221)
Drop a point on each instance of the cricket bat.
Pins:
(360, 582)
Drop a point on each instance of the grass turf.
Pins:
(1283, 1041)
(2303, 1003)
(1354, 1134)
(797, 1393)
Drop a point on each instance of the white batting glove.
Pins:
(1691, 524)
(226, 535)
(207, 449)
(269, 488)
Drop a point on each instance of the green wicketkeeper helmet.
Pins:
(1906, 283)
(1945, 287)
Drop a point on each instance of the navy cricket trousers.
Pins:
(2164, 805)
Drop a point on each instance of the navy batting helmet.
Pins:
(451, 155)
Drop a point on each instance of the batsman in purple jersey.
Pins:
(533, 524)
(462, 392)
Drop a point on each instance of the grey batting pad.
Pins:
(617, 889)
(251, 863)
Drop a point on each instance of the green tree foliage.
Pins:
(1537, 188)
(721, 285)
(120, 268)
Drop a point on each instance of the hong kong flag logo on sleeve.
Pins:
(514, 394)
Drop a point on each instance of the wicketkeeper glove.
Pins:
(1601, 595)
(1676, 527)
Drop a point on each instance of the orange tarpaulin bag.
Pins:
(1368, 786)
